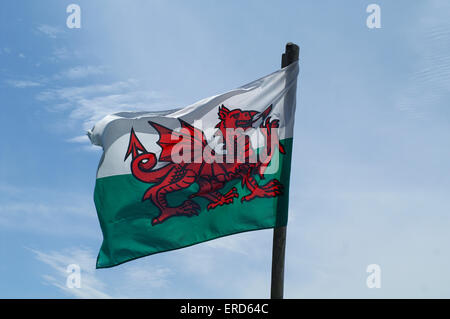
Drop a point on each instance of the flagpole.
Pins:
(279, 233)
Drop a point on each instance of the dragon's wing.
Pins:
(193, 140)
(188, 138)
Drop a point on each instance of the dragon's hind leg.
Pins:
(209, 190)
(176, 179)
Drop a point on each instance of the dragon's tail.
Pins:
(143, 162)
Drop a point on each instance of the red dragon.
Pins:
(210, 175)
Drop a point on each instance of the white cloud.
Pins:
(128, 281)
(428, 85)
(226, 271)
(200, 271)
(61, 54)
(88, 104)
(21, 84)
(48, 211)
(235, 244)
(91, 286)
(50, 31)
(79, 72)
(79, 92)
(79, 139)
(138, 276)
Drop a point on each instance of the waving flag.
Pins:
(176, 178)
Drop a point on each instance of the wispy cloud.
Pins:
(83, 106)
(61, 53)
(78, 92)
(91, 286)
(130, 281)
(192, 271)
(139, 276)
(233, 244)
(229, 271)
(428, 86)
(79, 139)
(50, 31)
(80, 72)
(88, 104)
(47, 211)
(21, 84)
(84, 143)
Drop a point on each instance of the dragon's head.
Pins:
(236, 118)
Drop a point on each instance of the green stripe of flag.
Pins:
(126, 220)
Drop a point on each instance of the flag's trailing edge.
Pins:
(165, 180)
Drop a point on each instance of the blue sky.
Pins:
(370, 178)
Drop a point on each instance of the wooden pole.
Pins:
(279, 233)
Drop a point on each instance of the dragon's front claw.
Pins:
(213, 205)
(272, 189)
(247, 198)
(231, 194)
(224, 199)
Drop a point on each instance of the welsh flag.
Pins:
(175, 178)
